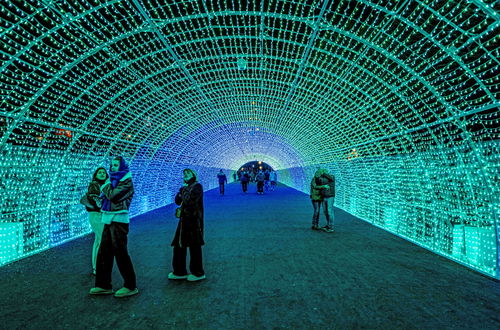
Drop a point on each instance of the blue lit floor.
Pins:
(266, 268)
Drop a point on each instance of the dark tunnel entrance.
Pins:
(253, 167)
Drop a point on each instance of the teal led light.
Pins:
(399, 99)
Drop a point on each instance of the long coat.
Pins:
(190, 227)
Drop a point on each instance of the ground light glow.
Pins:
(399, 99)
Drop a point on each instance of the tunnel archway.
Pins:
(398, 99)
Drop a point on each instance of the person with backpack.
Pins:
(244, 181)
(260, 178)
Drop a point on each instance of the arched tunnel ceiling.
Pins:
(323, 77)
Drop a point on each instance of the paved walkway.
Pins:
(266, 269)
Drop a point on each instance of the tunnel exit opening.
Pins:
(255, 166)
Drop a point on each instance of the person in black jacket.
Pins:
(189, 233)
(93, 192)
(117, 195)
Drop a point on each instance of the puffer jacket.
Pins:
(121, 196)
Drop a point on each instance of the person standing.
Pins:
(95, 216)
(316, 198)
(222, 179)
(117, 195)
(189, 233)
(327, 181)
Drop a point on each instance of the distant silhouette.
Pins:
(260, 178)
(244, 181)
(222, 179)
(273, 177)
(267, 175)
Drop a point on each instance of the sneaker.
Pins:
(172, 276)
(98, 291)
(327, 229)
(124, 292)
(193, 278)
(315, 227)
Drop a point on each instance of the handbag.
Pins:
(178, 212)
(85, 201)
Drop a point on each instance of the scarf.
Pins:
(115, 178)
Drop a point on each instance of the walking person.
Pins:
(244, 181)
(327, 181)
(260, 178)
(189, 233)
(222, 179)
(95, 216)
(117, 195)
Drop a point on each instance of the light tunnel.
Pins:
(398, 99)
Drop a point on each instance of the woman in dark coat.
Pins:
(189, 233)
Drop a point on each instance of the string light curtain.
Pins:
(399, 99)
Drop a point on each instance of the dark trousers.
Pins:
(260, 186)
(244, 186)
(114, 246)
(221, 188)
(195, 263)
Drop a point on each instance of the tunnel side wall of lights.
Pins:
(440, 199)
